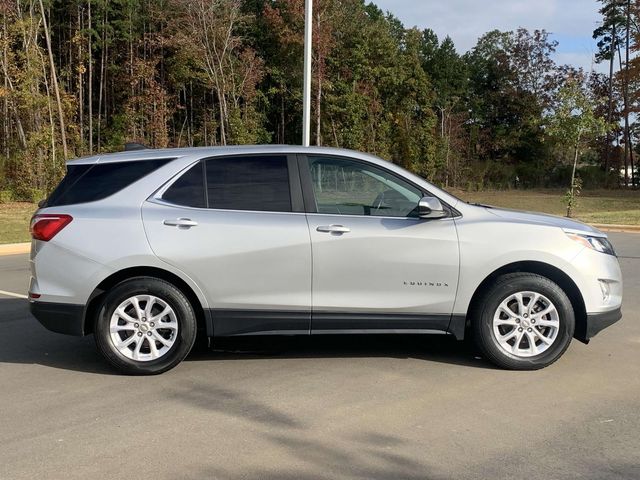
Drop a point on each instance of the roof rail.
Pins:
(130, 146)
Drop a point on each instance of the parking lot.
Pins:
(327, 407)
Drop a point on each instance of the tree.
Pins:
(212, 72)
(609, 37)
(448, 73)
(54, 80)
(232, 67)
(573, 125)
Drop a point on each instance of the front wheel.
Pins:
(145, 326)
(523, 322)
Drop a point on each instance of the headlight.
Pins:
(599, 244)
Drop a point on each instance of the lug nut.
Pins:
(529, 329)
(525, 315)
(533, 320)
(153, 324)
(139, 334)
(144, 319)
(137, 325)
(517, 320)
(149, 333)
(520, 329)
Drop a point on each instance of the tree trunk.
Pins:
(51, 122)
(625, 135)
(573, 181)
(191, 133)
(607, 154)
(223, 134)
(318, 110)
(282, 117)
(5, 119)
(90, 96)
(54, 80)
(626, 82)
(80, 82)
(101, 87)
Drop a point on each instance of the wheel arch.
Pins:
(95, 299)
(546, 270)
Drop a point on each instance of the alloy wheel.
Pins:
(143, 328)
(526, 324)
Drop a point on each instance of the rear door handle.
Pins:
(333, 229)
(181, 223)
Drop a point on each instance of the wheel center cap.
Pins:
(525, 323)
(144, 327)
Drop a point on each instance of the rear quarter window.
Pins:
(89, 183)
(188, 189)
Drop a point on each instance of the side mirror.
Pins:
(430, 207)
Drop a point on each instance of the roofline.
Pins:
(148, 154)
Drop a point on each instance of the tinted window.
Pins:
(88, 183)
(347, 187)
(249, 183)
(188, 190)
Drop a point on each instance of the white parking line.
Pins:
(11, 294)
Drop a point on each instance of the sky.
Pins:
(571, 22)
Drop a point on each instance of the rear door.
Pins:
(236, 226)
(376, 265)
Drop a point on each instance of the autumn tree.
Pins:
(449, 76)
(83, 77)
(573, 125)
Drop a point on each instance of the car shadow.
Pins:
(430, 348)
(25, 341)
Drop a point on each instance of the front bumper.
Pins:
(64, 318)
(599, 321)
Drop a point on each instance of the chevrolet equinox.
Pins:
(148, 249)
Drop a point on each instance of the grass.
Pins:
(14, 221)
(594, 206)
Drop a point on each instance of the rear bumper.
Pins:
(64, 318)
(599, 321)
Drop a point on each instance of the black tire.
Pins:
(482, 321)
(185, 316)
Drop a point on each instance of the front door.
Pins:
(376, 265)
(234, 227)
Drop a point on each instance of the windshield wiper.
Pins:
(476, 204)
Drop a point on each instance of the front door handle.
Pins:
(333, 229)
(181, 223)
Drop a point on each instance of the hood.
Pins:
(544, 219)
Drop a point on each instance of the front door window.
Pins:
(347, 187)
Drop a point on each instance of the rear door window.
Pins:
(256, 182)
(88, 183)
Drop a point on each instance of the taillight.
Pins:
(45, 226)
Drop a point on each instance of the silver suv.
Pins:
(148, 249)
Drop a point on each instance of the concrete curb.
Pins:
(15, 248)
(617, 228)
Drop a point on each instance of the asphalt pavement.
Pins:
(374, 407)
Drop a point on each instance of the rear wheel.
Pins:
(523, 322)
(145, 326)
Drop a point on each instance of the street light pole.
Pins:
(306, 95)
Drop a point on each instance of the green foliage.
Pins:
(187, 72)
(6, 196)
(609, 33)
(574, 122)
